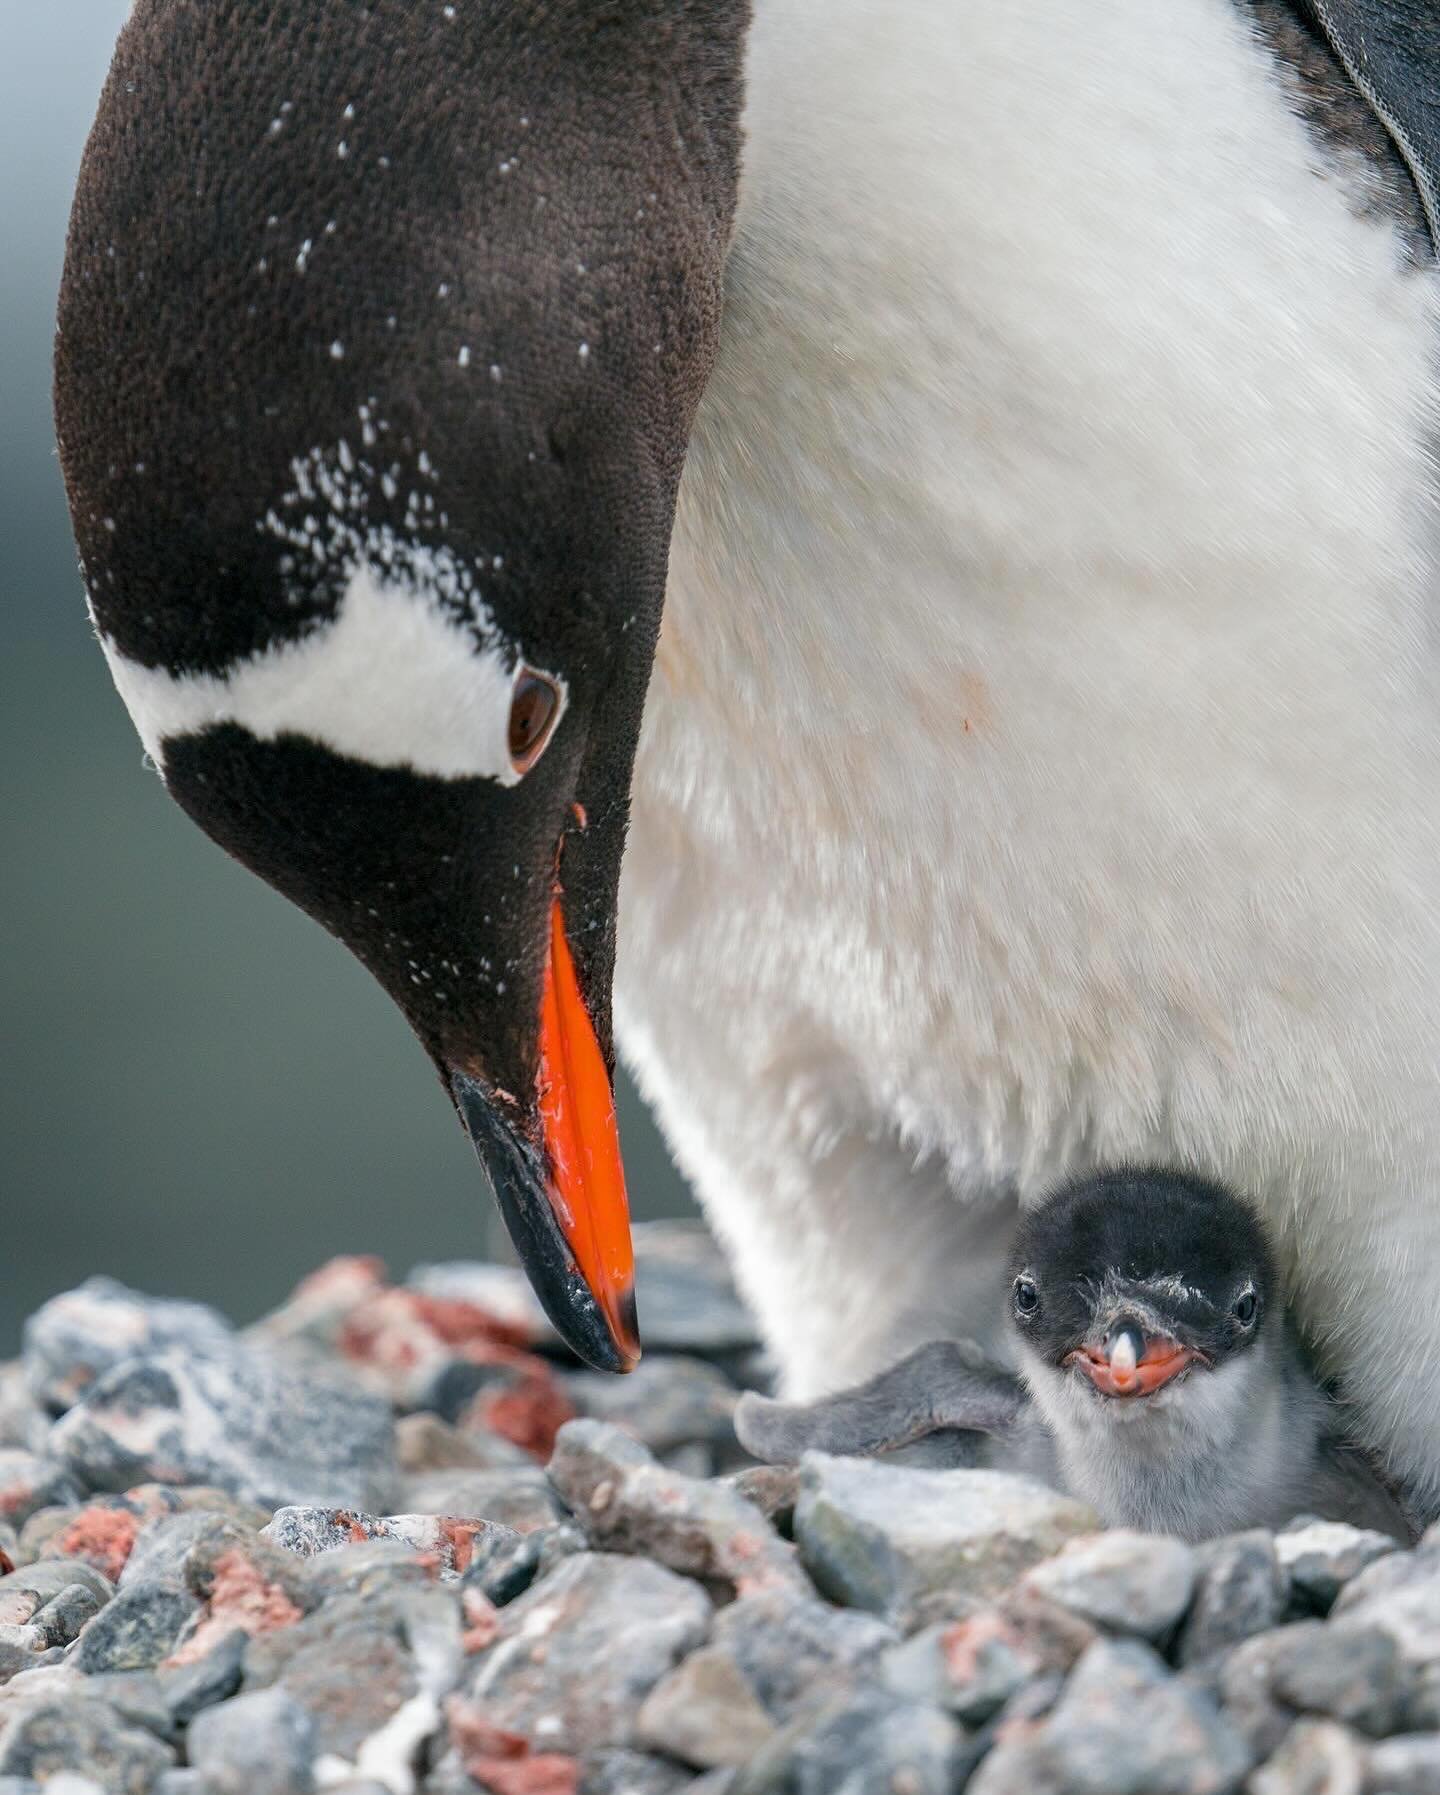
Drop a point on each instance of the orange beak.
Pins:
(556, 1173)
(582, 1145)
(1162, 1360)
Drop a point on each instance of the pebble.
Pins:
(577, 1654)
(505, 1563)
(310, 1531)
(1349, 1672)
(705, 1713)
(29, 1482)
(1323, 1556)
(1316, 1757)
(786, 1643)
(137, 1629)
(627, 1502)
(522, 1498)
(239, 1570)
(1408, 1765)
(255, 1744)
(1125, 1582)
(76, 1338)
(358, 1660)
(1242, 1589)
(667, 1402)
(237, 1419)
(884, 1538)
(861, 1741)
(1123, 1725)
(82, 1737)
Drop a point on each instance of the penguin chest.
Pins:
(1040, 755)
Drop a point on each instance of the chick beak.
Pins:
(1133, 1363)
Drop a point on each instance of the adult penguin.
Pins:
(1039, 767)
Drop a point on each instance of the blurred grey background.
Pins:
(200, 1093)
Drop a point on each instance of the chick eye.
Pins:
(1244, 1309)
(1027, 1297)
(534, 708)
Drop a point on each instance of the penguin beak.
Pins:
(1132, 1363)
(559, 1180)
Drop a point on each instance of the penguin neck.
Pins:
(1226, 1449)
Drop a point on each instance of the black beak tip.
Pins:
(515, 1167)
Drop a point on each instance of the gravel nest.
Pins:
(390, 1540)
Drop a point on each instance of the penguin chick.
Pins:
(1161, 1379)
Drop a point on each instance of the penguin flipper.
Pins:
(1391, 51)
(943, 1386)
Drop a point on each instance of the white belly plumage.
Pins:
(1040, 764)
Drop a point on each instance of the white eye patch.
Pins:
(397, 678)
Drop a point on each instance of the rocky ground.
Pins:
(388, 1540)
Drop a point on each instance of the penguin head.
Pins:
(1125, 1285)
(380, 339)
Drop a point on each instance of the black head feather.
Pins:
(1175, 1243)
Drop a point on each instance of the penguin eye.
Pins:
(1245, 1307)
(1027, 1297)
(534, 707)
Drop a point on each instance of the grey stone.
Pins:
(633, 1773)
(162, 1550)
(506, 1563)
(236, 1419)
(1242, 1681)
(181, 1782)
(46, 1577)
(214, 1678)
(62, 1617)
(1408, 1765)
(136, 1696)
(1407, 1611)
(76, 1338)
(578, 1652)
(1349, 1672)
(861, 1742)
(1323, 1556)
(257, 1744)
(882, 1538)
(1394, 1574)
(785, 1644)
(774, 1489)
(705, 1713)
(424, 1443)
(1126, 1582)
(22, 1421)
(627, 1502)
(1316, 1757)
(1122, 1726)
(502, 1291)
(521, 1498)
(685, 1295)
(84, 1737)
(1241, 1590)
(307, 1532)
(137, 1629)
(970, 1668)
(366, 1569)
(668, 1401)
(29, 1481)
(358, 1659)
